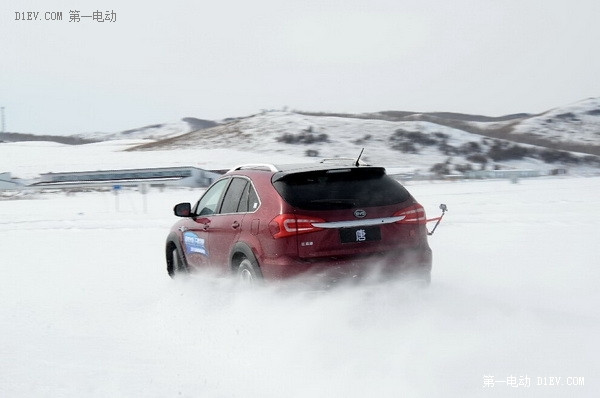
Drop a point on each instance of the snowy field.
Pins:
(87, 308)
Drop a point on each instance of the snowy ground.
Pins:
(28, 160)
(87, 308)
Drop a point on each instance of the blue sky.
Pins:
(161, 61)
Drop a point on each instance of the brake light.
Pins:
(291, 224)
(414, 214)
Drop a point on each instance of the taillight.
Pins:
(291, 224)
(414, 214)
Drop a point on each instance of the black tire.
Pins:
(175, 263)
(248, 273)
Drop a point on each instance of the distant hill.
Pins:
(574, 127)
(442, 142)
(68, 140)
(155, 131)
(152, 132)
(396, 116)
(439, 142)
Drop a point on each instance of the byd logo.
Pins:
(360, 213)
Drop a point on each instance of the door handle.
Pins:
(235, 225)
(205, 223)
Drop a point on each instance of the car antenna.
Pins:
(358, 160)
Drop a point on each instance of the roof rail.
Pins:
(344, 161)
(256, 166)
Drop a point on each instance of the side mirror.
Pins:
(183, 210)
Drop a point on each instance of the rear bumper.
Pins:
(413, 263)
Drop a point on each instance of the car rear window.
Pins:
(340, 189)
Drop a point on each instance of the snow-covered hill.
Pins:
(574, 125)
(420, 145)
(442, 143)
(296, 135)
(153, 132)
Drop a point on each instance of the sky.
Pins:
(161, 61)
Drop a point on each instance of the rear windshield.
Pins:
(340, 189)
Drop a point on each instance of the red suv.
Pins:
(329, 220)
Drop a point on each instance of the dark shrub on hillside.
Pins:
(415, 137)
(305, 137)
(500, 151)
(554, 156)
(363, 140)
(568, 116)
(591, 160)
(287, 138)
(322, 138)
(420, 138)
(447, 149)
(413, 141)
(463, 168)
(470, 148)
(440, 169)
(477, 158)
(405, 146)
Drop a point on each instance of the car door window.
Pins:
(253, 201)
(249, 201)
(231, 200)
(207, 205)
(243, 206)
